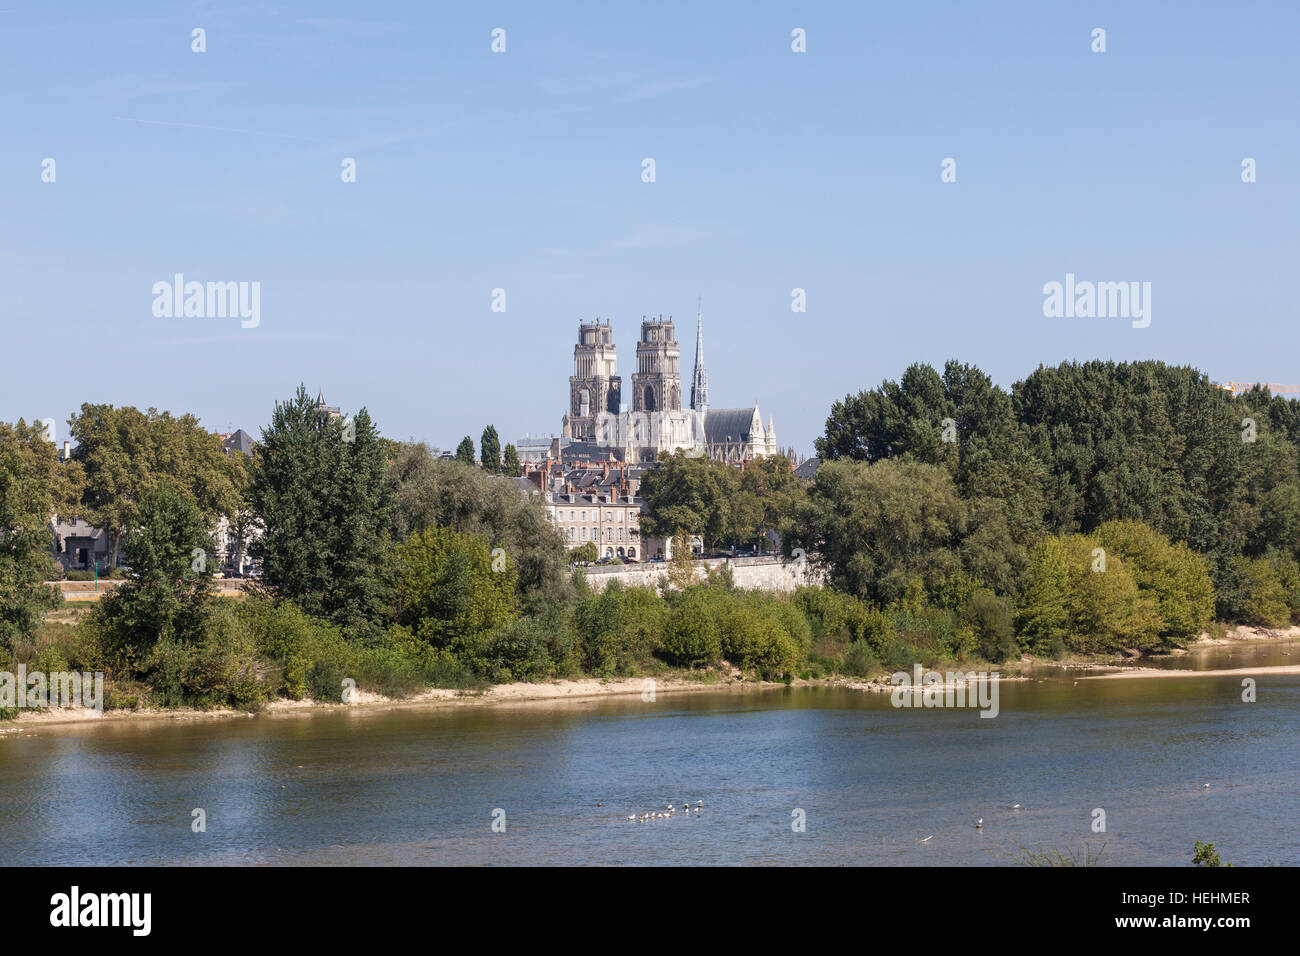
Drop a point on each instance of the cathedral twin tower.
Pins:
(657, 421)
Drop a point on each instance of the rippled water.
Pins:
(416, 786)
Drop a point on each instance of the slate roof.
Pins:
(239, 441)
(728, 424)
(808, 468)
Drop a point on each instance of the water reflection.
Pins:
(419, 786)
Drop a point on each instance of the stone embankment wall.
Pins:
(752, 573)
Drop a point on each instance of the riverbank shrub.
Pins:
(1171, 574)
(453, 592)
(691, 636)
(992, 621)
(1081, 598)
(1264, 598)
(619, 629)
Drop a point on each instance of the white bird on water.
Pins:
(1015, 806)
(979, 824)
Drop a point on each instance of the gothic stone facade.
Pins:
(656, 422)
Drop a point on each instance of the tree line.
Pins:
(1092, 508)
(1095, 506)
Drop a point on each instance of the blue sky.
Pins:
(522, 171)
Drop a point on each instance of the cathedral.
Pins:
(657, 421)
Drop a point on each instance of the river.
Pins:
(868, 781)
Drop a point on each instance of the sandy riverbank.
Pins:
(1128, 672)
(1244, 632)
(553, 692)
(516, 693)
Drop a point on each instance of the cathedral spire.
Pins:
(700, 383)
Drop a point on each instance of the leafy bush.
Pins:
(1265, 602)
(1079, 599)
(691, 637)
(585, 552)
(991, 620)
(453, 592)
(519, 652)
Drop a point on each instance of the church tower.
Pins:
(657, 383)
(700, 381)
(593, 386)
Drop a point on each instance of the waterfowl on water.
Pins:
(979, 824)
(1015, 806)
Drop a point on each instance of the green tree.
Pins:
(512, 468)
(1265, 602)
(465, 451)
(681, 566)
(753, 634)
(1084, 599)
(878, 526)
(585, 552)
(1175, 577)
(1137, 440)
(490, 450)
(453, 592)
(770, 497)
(685, 493)
(1204, 854)
(991, 619)
(125, 453)
(325, 504)
(168, 593)
(29, 482)
(691, 637)
(430, 492)
(897, 419)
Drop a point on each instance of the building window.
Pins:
(584, 516)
